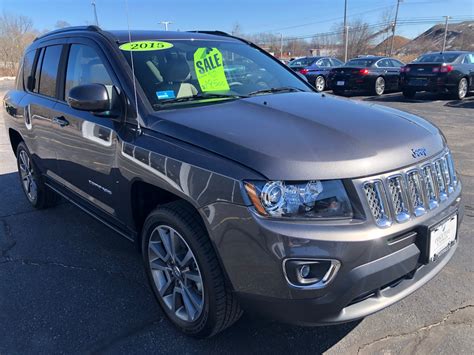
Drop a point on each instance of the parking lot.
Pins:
(69, 284)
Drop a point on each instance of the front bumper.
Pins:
(378, 266)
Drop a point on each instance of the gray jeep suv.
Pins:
(242, 187)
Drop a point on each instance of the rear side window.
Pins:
(49, 71)
(469, 59)
(85, 66)
(384, 63)
(28, 74)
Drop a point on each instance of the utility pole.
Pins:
(281, 45)
(347, 42)
(345, 31)
(95, 13)
(394, 27)
(445, 32)
(166, 23)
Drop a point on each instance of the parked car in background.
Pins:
(374, 74)
(315, 69)
(451, 72)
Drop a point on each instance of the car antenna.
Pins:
(139, 129)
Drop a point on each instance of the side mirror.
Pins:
(90, 97)
(302, 76)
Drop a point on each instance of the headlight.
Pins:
(313, 199)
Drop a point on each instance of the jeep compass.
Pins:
(242, 187)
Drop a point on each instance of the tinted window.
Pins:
(28, 69)
(438, 58)
(302, 62)
(360, 62)
(336, 62)
(384, 63)
(49, 71)
(37, 70)
(324, 62)
(396, 63)
(469, 59)
(85, 67)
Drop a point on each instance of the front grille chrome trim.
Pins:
(410, 192)
(377, 200)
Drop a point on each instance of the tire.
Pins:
(320, 83)
(38, 194)
(461, 90)
(215, 307)
(379, 86)
(409, 93)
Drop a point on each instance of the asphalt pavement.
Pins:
(70, 285)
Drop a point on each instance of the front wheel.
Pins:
(184, 272)
(320, 83)
(379, 86)
(38, 194)
(461, 91)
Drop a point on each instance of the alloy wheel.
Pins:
(379, 86)
(320, 83)
(176, 273)
(462, 88)
(27, 178)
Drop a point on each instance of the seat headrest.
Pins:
(176, 70)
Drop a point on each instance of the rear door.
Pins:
(86, 143)
(389, 72)
(41, 86)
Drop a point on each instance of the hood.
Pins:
(304, 136)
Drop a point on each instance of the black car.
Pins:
(315, 69)
(373, 74)
(243, 188)
(451, 72)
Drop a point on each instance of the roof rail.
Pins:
(70, 29)
(220, 33)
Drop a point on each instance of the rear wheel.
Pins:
(320, 83)
(409, 93)
(379, 86)
(184, 272)
(461, 91)
(38, 194)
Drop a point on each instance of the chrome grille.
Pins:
(411, 192)
(376, 198)
(415, 191)
(429, 181)
(399, 198)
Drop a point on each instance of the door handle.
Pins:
(61, 121)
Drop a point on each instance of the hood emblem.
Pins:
(418, 152)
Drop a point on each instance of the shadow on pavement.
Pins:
(69, 284)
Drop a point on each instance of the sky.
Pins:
(290, 18)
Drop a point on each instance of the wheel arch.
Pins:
(15, 139)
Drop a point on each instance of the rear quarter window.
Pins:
(28, 74)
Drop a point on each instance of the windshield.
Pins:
(177, 72)
(359, 63)
(302, 62)
(438, 58)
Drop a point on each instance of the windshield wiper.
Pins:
(197, 97)
(276, 90)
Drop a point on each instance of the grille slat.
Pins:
(411, 193)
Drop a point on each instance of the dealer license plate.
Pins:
(443, 237)
(340, 83)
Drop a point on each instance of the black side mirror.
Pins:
(90, 97)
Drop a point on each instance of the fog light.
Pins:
(304, 271)
(310, 273)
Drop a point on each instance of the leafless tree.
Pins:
(15, 34)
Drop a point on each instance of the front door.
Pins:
(87, 143)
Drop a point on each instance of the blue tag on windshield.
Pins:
(168, 94)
